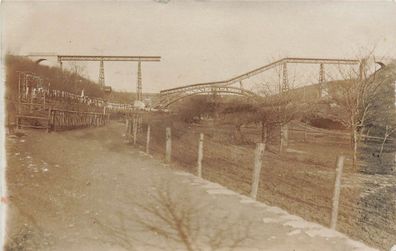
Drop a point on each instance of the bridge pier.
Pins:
(321, 79)
(139, 92)
(101, 74)
(285, 80)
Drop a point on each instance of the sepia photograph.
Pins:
(198, 125)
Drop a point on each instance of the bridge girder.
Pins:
(282, 62)
(101, 59)
(109, 58)
(168, 99)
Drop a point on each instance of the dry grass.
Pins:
(301, 181)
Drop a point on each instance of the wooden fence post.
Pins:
(49, 120)
(139, 123)
(284, 139)
(258, 160)
(63, 121)
(134, 129)
(148, 139)
(200, 154)
(129, 130)
(337, 191)
(126, 127)
(53, 120)
(168, 146)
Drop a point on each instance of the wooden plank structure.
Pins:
(66, 120)
(44, 108)
(134, 123)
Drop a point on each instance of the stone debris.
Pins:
(294, 232)
(247, 201)
(220, 191)
(271, 220)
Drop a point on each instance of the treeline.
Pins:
(239, 111)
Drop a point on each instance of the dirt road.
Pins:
(88, 190)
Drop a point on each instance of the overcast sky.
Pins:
(198, 41)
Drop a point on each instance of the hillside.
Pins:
(55, 79)
(60, 80)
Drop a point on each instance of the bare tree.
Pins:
(389, 130)
(179, 220)
(355, 98)
(77, 69)
(74, 76)
(272, 111)
(279, 107)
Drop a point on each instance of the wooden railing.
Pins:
(65, 120)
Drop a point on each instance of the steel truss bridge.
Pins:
(227, 87)
(101, 59)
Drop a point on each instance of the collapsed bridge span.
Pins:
(234, 86)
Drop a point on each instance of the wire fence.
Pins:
(299, 178)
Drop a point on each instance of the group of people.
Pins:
(29, 93)
(33, 90)
(74, 98)
(34, 93)
(119, 107)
